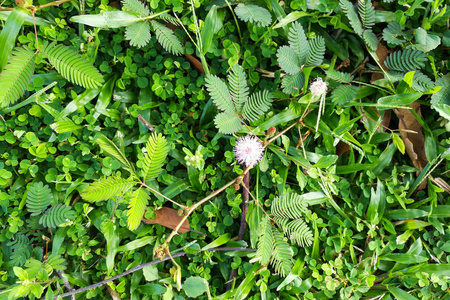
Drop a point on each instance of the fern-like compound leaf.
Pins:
(109, 147)
(219, 93)
(366, 13)
(443, 95)
(136, 208)
(421, 82)
(340, 76)
(157, 150)
(391, 34)
(297, 40)
(138, 34)
(282, 254)
(57, 215)
(265, 241)
(299, 232)
(136, 6)
(343, 94)
(292, 83)
(316, 52)
(288, 60)
(167, 38)
(405, 61)
(371, 39)
(257, 104)
(238, 86)
(16, 75)
(72, 66)
(56, 262)
(227, 123)
(105, 189)
(169, 19)
(289, 206)
(38, 198)
(20, 247)
(351, 14)
(254, 14)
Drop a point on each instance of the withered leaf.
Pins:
(414, 142)
(382, 52)
(168, 217)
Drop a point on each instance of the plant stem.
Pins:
(165, 197)
(140, 267)
(147, 124)
(244, 206)
(188, 212)
(245, 193)
(54, 3)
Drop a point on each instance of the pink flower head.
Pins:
(318, 87)
(248, 151)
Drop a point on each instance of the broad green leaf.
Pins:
(398, 142)
(194, 286)
(326, 161)
(150, 273)
(377, 204)
(109, 19)
(136, 244)
(426, 42)
(293, 16)
(400, 294)
(79, 102)
(9, 33)
(404, 258)
(207, 32)
(111, 234)
(65, 126)
(439, 270)
(218, 242)
(397, 100)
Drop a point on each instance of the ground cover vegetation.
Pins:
(224, 150)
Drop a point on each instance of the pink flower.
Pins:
(248, 151)
(318, 87)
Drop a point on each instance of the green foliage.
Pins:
(392, 33)
(136, 6)
(16, 75)
(340, 76)
(72, 66)
(107, 188)
(138, 34)
(257, 104)
(157, 150)
(38, 198)
(239, 90)
(366, 13)
(56, 215)
(352, 16)
(167, 38)
(299, 54)
(343, 94)
(405, 61)
(254, 14)
(236, 103)
(298, 42)
(345, 240)
(136, 208)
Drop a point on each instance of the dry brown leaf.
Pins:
(168, 217)
(341, 148)
(414, 142)
(196, 63)
(382, 52)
